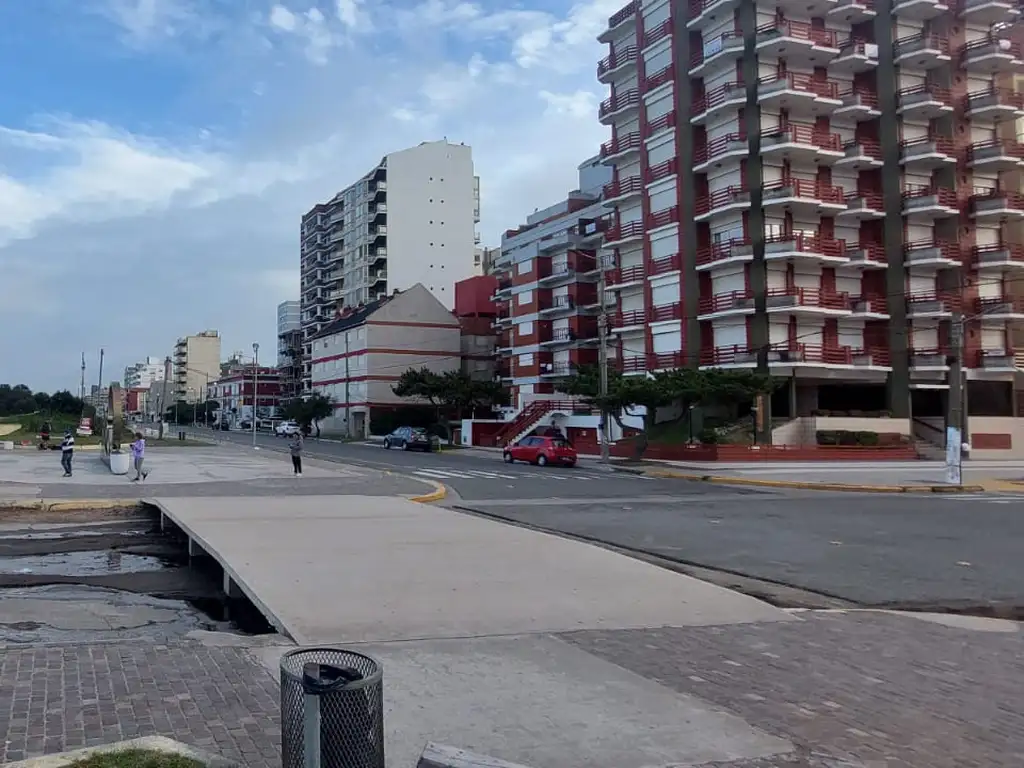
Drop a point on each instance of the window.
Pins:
(525, 329)
(524, 298)
(526, 359)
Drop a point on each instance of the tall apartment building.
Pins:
(411, 219)
(142, 375)
(196, 363)
(872, 144)
(548, 271)
(289, 348)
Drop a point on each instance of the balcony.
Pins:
(618, 62)
(666, 264)
(724, 48)
(666, 121)
(623, 233)
(805, 196)
(791, 354)
(927, 153)
(867, 255)
(622, 189)
(627, 15)
(921, 10)
(931, 254)
(557, 305)
(999, 308)
(620, 277)
(701, 12)
(858, 104)
(628, 319)
(992, 55)
(929, 358)
(658, 79)
(999, 360)
(860, 155)
(663, 218)
(620, 147)
(663, 170)
(988, 12)
(924, 102)
(870, 307)
(723, 253)
(863, 206)
(855, 55)
(733, 145)
(724, 304)
(922, 50)
(800, 246)
(933, 305)
(802, 143)
(621, 105)
(995, 155)
(998, 256)
(994, 103)
(851, 12)
(559, 273)
(660, 32)
(811, 301)
(729, 96)
(735, 198)
(996, 205)
(799, 43)
(929, 202)
(801, 94)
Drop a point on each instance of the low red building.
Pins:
(234, 393)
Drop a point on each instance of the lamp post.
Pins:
(255, 386)
(195, 405)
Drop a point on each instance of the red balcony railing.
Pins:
(617, 59)
(874, 251)
(797, 133)
(872, 200)
(1013, 200)
(720, 251)
(726, 301)
(628, 318)
(661, 170)
(663, 217)
(1007, 147)
(629, 9)
(1004, 44)
(666, 264)
(624, 231)
(950, 301)
(870, 147)
(796, 353)
(1015, 252)
(716, 147)
(665, 312)
(621, 144)
(652, 36)
(660, 77)
(1004, 97)
(825, 89)
(853, 46)
(621, 275)
(630, 98)
(707, 203)
(942, 95)
(930, 40)
(697, 7)
(946, 197)
(988, 304)
(877, 304)
(813, 297)
(632, 186)
(943, 144)
(799, 30)
(805, 243)
(807, 189)
(714, 97)
(948, 249)
(862, 94)
(726, 39)
(668, 120)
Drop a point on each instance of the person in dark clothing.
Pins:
(67, 452)
(296, 450)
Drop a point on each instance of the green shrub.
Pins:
(846, 437)
(708, 436)
(867, 438)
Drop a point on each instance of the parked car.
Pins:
(411, 439)
(541, 450)
(287, 428)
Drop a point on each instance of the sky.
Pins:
(156, 155)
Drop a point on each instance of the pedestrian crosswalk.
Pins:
(556, 475)
(986, 498)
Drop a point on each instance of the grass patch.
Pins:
(137, 758)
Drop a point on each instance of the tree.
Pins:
(688, 387)
(453, 393)
(309, 411)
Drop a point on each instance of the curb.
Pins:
(809, 486)
(437, 494)
(152, 743)
(68, 505)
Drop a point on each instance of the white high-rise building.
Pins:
(412, 219)
(142, 375)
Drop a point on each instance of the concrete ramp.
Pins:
(356, 569)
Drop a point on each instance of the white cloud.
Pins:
(283, 19)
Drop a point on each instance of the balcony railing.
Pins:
(622, 187)
(615, 60)
(922, 41)
(668, 120)
(805, 243)
(663, 217)
(797, 353)
(666, 264)
(619, 144)
(720, 251)
(612, 104)
(990, 44)
(932, 302)
(997, 254)
(723, 197)
(924, 145)
(660, 171)
(996, 198)
(651, 36)
(999, 305)
(717, 147)
(807, 297)
(994, 97)
(825, 89)
(725, 302)
(877, 305)
(717, 96)
(717, 45)
(809, 135)
(871, 201)
(799, 30)
(982, 150)
(621, 275)
(946, 197)
(926, 250)
(623, 14)
(924, 92)
(805, 189)
(628, 318)
(659, 78)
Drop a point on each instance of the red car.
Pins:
(541, 450)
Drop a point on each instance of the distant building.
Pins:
(289, 348)
(234, 394)
(143, 374)
(196, 364)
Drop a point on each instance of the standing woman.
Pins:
(296, 451)
(139, 457)
(67, 452)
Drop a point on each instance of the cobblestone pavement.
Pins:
(58, 698)
(863, 690)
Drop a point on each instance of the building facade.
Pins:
(289, 348)
(141, 375)
(547, 299)
(196, 363)
(871, 142)
(359, 357)
(234, 394)
(410, 220)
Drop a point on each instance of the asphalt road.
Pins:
(955, 552)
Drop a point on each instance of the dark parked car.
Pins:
(411, 439)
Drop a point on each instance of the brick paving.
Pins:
(58, 698)
(857, 690)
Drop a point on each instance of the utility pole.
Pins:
(99, 383)
(348, 427)
(81, 389)
(602, 362)
(955, 415)
(255, 386)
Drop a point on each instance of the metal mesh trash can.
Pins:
(332, 710)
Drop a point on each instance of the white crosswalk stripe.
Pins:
(985, 498)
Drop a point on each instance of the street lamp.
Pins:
(195, 404)
(255, 386)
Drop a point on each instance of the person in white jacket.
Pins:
(67, 452)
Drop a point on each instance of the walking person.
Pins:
(67, 452)
(139, 457)
(296, 450)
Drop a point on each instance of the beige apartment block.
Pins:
(196, 364)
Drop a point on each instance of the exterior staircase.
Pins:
(928, 451)
(528, 418)
(929, 439)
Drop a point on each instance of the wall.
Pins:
(996, 437)
(802, 431)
